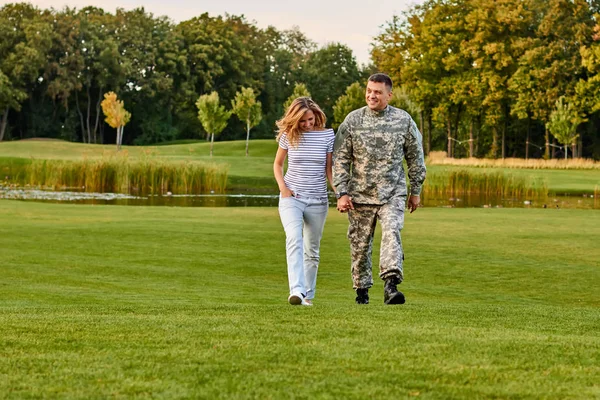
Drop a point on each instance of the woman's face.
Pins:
(307, 122)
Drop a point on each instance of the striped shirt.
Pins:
(305, 174)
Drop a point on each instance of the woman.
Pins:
(303, 203)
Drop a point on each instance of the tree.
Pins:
(430, 65)
(550, 64)
(66, 62)
(588, 89)
(83, 59)
(101, 65)
(403, 51)
(391, 48)
(116, 115)
(563, 123)
(300, 90)
(156, 73)
(212, 116)
(285, 53)
(444, 33)
(493, 29)
(327, 73)
(25, 40)
(352, 99)
(247, 109)
(402, 99)
(223, 54)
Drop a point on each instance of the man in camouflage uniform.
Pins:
(370, 184)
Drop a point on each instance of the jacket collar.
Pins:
(377, 114)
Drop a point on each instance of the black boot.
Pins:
(362, 296)
(391, 295)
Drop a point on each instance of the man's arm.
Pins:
(413, 152)
(342, 158)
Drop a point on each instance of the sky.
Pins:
(351, 22)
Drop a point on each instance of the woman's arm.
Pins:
(328, 164)
(278, 172)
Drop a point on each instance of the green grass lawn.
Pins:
(255, 171)
(143, 302)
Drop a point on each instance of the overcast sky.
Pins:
(350, 22)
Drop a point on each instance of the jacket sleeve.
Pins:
(342, 157)
(415, 160)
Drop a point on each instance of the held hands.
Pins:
(413, 203)
(344, 204)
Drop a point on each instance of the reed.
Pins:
(119, 174)
(12, 170)
(439, 158)
(488, 183)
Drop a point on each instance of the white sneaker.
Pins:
(298, 300)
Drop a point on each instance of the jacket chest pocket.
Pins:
(378, 145)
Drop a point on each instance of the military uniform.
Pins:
(368, 165)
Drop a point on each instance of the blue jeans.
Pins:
(303, 220)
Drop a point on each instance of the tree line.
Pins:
(56, 67)
(499, 78)
(484, 78)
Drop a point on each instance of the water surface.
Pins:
(271, 200)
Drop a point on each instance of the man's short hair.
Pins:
(381, 78)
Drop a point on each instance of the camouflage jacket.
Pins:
(369, 149)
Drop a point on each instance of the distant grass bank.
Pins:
(255, 173)
(144, 302)
(439, 158)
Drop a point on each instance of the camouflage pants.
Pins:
(363, 220)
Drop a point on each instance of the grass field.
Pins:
(134, 302)
(256, 171)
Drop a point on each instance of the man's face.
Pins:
(378, 95)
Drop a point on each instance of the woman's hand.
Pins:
(286, 193)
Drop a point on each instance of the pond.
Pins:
(270, 200)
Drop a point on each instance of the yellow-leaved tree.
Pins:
(116, 115)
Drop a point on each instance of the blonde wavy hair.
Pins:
(290, 122)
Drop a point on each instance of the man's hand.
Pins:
(413, 203)
(344, 204)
